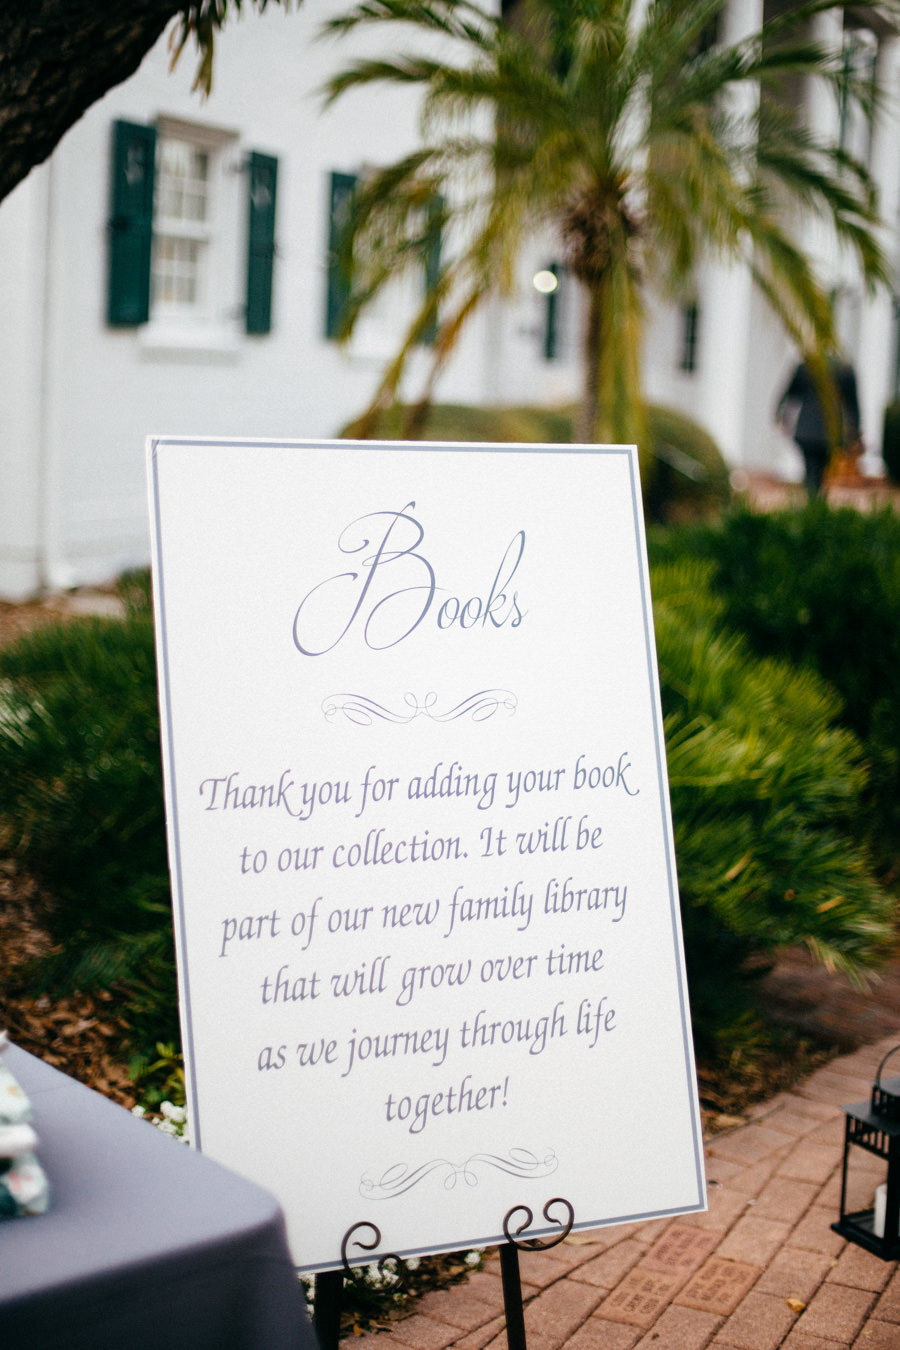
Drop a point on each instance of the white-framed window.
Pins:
(192, 235)
(383, 322)
(194, 262)
(180, 281)
(559, 296)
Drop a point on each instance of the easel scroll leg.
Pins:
(329, 1298)
(512, 1296)
(327, 1308)
(509, 1263)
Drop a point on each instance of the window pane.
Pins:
(183, 181)
(176, 271)
(182, 223)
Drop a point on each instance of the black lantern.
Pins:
(875, 1126)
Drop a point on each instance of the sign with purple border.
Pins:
(426, 905)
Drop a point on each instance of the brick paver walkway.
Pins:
(761, 1269)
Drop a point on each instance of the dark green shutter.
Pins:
(551, 318)
(433, 259)
(131, 224)
(690, 333)
(343, 185)
(261, 245)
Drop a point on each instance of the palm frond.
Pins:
(401, 70)
(645, 145)
(452, 18)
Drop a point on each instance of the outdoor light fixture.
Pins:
(875, 1127)
(545, 281)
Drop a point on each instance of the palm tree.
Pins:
(629, 130)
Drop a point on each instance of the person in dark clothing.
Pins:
(810, 430)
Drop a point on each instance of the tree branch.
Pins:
(57, 57)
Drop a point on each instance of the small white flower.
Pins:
(177, 1114)
(473, 1258)
(412, 1263)
(139, 1111)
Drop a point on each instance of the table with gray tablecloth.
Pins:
(146, 1242)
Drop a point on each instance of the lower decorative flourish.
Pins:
(520, 1162)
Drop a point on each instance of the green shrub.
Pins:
(763, 784)
(683, 474)
(890, 442)
(460, 422)
(81, 797)
(821, 588)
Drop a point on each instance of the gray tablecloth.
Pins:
(146, 1243)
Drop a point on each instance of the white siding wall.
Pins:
(22, 288)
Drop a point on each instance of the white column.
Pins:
(726, 329)
(875, 355)
(824, 118)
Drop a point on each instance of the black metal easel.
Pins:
(509, 1262)
(329, 1295)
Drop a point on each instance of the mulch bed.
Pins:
(18, 619)
(82, 1034)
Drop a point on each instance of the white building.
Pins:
(201, 306)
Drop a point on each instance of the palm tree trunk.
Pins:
(586, 419)
(612, 407)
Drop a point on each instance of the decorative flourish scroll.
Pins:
(364, 711)
(513, 1235)
(519, 1162)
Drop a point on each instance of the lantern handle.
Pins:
(893, 1050)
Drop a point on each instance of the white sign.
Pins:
(425, 894)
